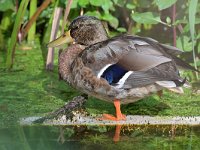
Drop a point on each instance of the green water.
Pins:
(100, 137)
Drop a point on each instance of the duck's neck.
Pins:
(66, 58)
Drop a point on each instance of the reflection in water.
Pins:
(99, 137)
(116, 137)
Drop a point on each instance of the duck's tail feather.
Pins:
(183, 64)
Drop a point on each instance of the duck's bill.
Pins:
(65, 38)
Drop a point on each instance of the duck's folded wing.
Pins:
(133, 54)
(164, 72)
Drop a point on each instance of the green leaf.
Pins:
(144, 3)
(163, 4)
(96, 2)
(83, 3)
(120, 3)
(111, 20)
(192, 13)
(74, 4)
(121, 29)
(168, 20)
(6, 5)
(61, 3)
(93, 13)
(106, 5)
(184, 43)
(130, 6)
(146, 18)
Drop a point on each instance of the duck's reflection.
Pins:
(114, 132)
(116, 137)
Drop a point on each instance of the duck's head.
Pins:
(84, 30)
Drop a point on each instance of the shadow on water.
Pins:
(100, 137)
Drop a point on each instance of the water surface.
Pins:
(146, 137)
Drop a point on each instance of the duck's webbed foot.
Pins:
(111, 117)
(119, 115)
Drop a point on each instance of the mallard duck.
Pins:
(122, 69)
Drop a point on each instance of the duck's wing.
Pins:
(133, 52)
(130, 58)
(170, 50)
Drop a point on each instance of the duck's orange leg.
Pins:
(119, 115)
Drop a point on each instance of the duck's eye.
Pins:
(76, 27)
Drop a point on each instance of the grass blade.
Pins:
(16, 28)
(192, 13)
(31, 32)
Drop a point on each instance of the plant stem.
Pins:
(31, 32)
(34, 17)
(173, 22)
(54, 29)
(67, 9)
(192, 13)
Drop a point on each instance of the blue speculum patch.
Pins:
(114, 73)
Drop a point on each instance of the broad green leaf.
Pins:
(146, 18)
(106, 5)
(6, 5)
(144, 3)
(168, 20)
(96, 2)
(192, 13)
(163, 4)
(130, 6)
(115, 1)
(184, 43)
(111, 20)
(61, 3)
(93, 13)
(6, 20)
(120, 3)
(121, 29)
(83, 3)
(74, 4)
